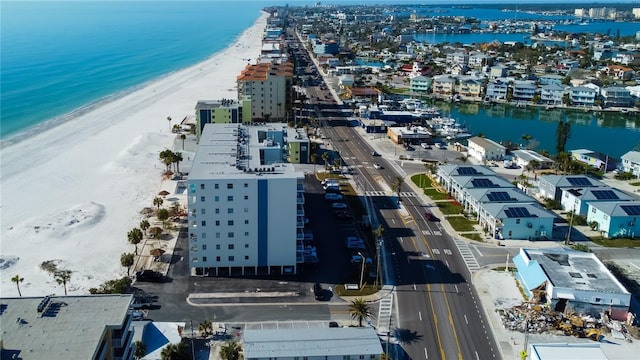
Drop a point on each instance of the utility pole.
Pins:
(193, 351)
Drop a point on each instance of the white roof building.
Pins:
(631, 162)
(483, 149)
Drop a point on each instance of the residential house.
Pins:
(446, 173)
(67, 327)
(443, 85)
(523, 90)
(498, 71)
(550, 79)
(312, 343)
(420, 84)
(363, 93)
(460, 185)
(578, 199)
(551, 186)
(616, 96)
(497, 90)
(477, 198)
(624, 58)
(595, 159)
(483, 149)
(345, 81)
(458, 69)
(470, 88)
(525, 156)
(521, 221)
(479, 59)
(461, 58)
(631, 162)
(245, 202)
(582, 96)
(616, 218)
(618, 72)
(570, 281)
(552, 94)
(567, 65)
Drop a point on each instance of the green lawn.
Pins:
(637, 183)
(421, 180)
(449, 207)
(616, 243)
(435, 194)
(460, 223)
(473, 236)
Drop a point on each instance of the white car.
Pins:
(339, 205)
(377, 166)
(333, 197)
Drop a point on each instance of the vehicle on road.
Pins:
(429, 216)
(441, 146)
(318, 291)
(339, 205)
(342, 215)
(377, 166)
(374, 153)
(149, 276)
(332, 196)
(425, 145)
(357, 259)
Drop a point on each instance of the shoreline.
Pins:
(52, 122)
(72, 192)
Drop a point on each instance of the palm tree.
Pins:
(62, 278)
(166, 156)
(527, 138)
(183, 137)
(163, 215)
(230, 351)
(157, 202)
(176, 158)
(17, 279)
(175, 352)
(378, 232)
(205, 328)
(325, 157)
(135, 236)
(397, 185)
(534, 165)
(141, 350)
(126, 260)
(144, 226)
(169, 119)
(359, 310)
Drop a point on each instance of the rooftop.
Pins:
(575, 270)
(69, 327)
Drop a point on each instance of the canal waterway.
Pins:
(610, 133)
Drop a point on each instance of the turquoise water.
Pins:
(60, 56)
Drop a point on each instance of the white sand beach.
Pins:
(72, 193)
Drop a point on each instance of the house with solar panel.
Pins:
(446, 173)
(461, 184)
(521, 221)
(570, 281)
(477, 198)
(616, 219)
(578, 199)
(550, 186)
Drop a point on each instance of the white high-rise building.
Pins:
(245, 203)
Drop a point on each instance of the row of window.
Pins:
(218, 259)
(217, 222)
(217, 186)
(217, 198)
(230, 235)
(229, 246)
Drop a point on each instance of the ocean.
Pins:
(61, 58)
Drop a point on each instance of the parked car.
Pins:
(137, 315)
(140, 302)
(318, 292)
(357, 259)
(359, 246)
(374, 153)
(377, 166)
(441, 146)
(333, 196)
(429, 216)
(149, 276)
(425, 145)
(339, 205)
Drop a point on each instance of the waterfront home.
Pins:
(521, 221)
(523, 90)
(524, 156)
(631, 162)
(616, 96)
(616, 218)
(550, 79)
(458, 69)
(617, 72)
(443, 85)
(552, 94)
(577, 199)
(582, 96)
(550, 186)
(571, 281)
(498, 71)
(470, 88)
(483, 149)
(420, 84)
(595, 159)
(497, 90)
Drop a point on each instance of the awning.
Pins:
(567, 296)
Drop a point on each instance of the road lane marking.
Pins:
(426, 355)
(420, 315)
(465, 319)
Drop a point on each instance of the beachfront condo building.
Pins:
(269, 87)
(224, 111)
(245, 201)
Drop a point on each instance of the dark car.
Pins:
(429, 216)
(318, 292)
(374, 153)
(149, 276)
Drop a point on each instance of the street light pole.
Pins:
(362, 269)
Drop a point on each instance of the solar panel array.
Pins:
(517, 212)
(579, 181)
(499, 196)
(465, 170)
(632, 210)
(482, 183)
(605, 194)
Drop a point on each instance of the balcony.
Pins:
(300, 198)
(300, 210)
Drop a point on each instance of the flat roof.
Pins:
(233, 151)
(71, 327)
(575, 270)
(561, 351)
(312, 342)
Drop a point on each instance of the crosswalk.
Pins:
(467, 255)
(385, 193)
(385, 310)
